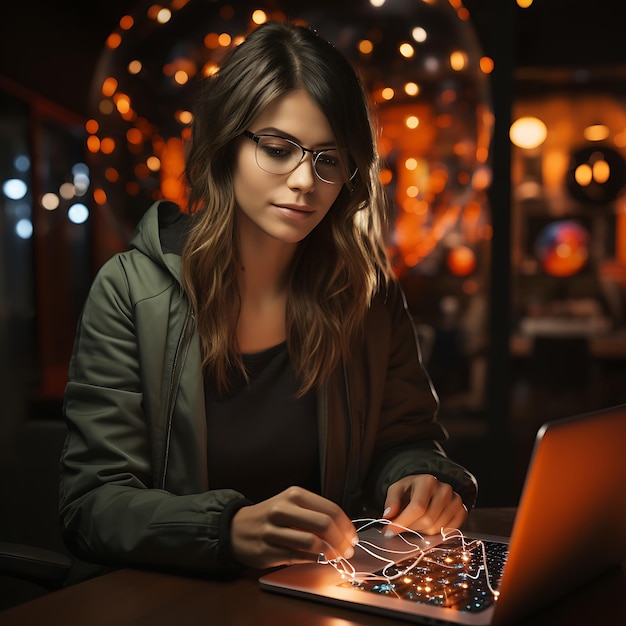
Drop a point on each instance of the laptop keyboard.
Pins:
(457, 574)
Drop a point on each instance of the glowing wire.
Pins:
(414, 552)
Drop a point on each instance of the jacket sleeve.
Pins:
(110, 511)
(409, 435)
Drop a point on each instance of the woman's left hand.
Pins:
(424, 504)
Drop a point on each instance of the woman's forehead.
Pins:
(297, 116)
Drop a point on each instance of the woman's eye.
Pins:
(278, 150)
(328, 160)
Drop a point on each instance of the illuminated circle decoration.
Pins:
(596, 174)
(562, 248)
(419, 59)
(461, 260)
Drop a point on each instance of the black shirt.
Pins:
(261, 437)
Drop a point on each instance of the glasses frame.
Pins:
(315, 154)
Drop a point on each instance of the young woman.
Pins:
(247, 377)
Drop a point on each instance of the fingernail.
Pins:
(388, 533)
(354, 540)
(387, 511)
(349, 553)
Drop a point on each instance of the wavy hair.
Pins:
(339, 266)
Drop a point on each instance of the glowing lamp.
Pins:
(596, 132)
(596, 174)
(528, 132)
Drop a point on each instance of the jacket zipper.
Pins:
(180, 355)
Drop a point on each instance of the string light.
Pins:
(445, 574)
(428, 88)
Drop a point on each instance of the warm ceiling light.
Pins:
(411, 89)
(366, 46)
(99, 196)
(225, 40)
(583, 175)
(50, 201)
(163, 16)
(153, 163)
(134, 67)
(184, 117)
(419, 34)
(181, 77)
(528, 132)
(601, 171)
(93, 143)
(486, 65)
(113, 41)
(127, 22)
(458, 60)
(259, 17)
(596, 132)
(406, 50)
(109, 86)
(412, 121)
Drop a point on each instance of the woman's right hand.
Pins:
(294, 526)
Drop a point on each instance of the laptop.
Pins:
(573, 492)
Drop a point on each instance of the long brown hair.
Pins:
(339, 267)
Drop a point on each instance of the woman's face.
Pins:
(284, 207)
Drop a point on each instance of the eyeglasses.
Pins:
(279, 155)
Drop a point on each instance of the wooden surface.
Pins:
(130, 597)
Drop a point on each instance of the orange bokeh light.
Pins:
(461, 261)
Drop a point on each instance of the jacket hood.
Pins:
(160, 235)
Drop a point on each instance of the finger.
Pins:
(448, 517)
(393, 502)
(295, 557)
(414, 503)
(327, 527)
(425, 511)
(457, 513)
(313, 531)
(306, 545)
(317, 503)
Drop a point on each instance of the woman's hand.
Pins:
(293, 526)
(424, 504)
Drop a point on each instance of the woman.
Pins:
(247, 377)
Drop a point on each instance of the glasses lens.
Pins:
(277, 155)
(332, 168)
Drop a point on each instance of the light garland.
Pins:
(450, 573)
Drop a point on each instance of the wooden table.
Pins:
(129, 597)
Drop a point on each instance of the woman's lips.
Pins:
(295, 211)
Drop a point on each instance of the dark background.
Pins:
(51, 47)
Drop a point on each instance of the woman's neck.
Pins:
(263, 279)
(263, 260)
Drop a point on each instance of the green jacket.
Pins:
(134, 484)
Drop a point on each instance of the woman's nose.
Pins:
(303, 177)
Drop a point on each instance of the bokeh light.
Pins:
(528, 132)
(562, 248)
(596, 174)
(14, 188)
(420, 61)
(461, 260)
